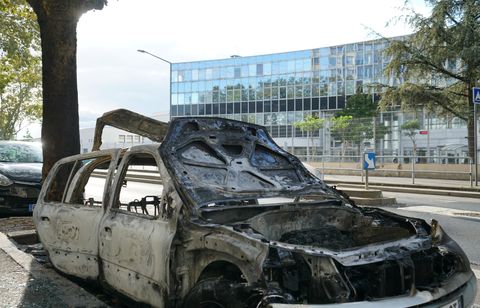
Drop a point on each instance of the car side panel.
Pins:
(70, 236)
(69, 232)
(135, 255)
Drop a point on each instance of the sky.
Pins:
(112, 74)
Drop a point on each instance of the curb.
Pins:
(69, 293)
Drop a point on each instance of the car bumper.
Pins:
(18, 198)
(465, 295)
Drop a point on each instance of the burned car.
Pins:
(20, 176)
(223, 217)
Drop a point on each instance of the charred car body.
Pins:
(238, 222)
(20, 176)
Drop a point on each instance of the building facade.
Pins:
(277, 90)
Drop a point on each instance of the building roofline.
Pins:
(292, 51)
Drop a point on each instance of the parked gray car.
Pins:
(218, 215)
(20, 176)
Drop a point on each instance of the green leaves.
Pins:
(439, 62)
(20, 67)
(310, 124)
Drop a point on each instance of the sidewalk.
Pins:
(26, 283)
(442, 187)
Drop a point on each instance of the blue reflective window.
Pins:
(340, 88)
(299, 65)
(315, 90)
(181, 87)
(332, 89)
(359, 72)
(368, 58)
(275, 68)
(174, 87)
(307, 64)
(307, 91)
(201, 74)
(252, 70)
(181, 76)
(267, 69)
(323, 89)
(298, 91)
(181, 99)
(332, 61)
(244, 71)
(237, 72)
(350, 87)
(291, 66)
(195, 86)
(260, 69)
(208, 73)
(194, 74)
(332, 75)
(174, 76)
(323, 75)
(244, 94)
(174, 99)
(195, 98)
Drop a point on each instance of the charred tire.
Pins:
(213, 293)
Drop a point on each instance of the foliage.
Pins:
(20, 67)
(340, 129)
(410, 129)
(362, 110)
(359, 106)
(310, 124)
(439, 62)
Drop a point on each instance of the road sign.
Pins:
(476, 95)
(423, 132)
(369, 161)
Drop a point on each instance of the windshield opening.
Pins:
(21, 152)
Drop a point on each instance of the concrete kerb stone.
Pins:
(70, 293)
(443, 191)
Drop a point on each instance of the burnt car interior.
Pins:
(135, 197)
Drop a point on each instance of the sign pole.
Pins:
(475, 142)
(476, 101)
(369, 162)
(366, 179)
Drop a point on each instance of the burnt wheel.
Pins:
(213, 293)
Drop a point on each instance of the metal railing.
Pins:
(405, 164)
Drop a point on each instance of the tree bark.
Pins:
(60, 125)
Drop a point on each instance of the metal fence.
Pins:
(447, 167)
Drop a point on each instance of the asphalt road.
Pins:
(464, 229)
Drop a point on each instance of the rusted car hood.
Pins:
(22, 172)
(214, 160)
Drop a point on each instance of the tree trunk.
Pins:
(60, 125)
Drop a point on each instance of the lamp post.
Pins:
(169, 77)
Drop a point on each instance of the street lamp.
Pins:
(169, 77)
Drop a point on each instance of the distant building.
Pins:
(277, 90)
(115, 138)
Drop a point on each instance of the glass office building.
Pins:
(277, 90)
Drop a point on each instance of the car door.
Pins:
(134, 239)
(68, 223)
